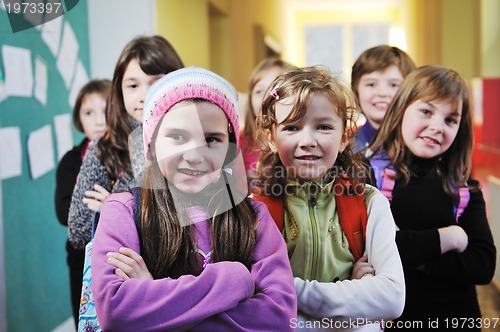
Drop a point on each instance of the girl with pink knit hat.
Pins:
(208, 258)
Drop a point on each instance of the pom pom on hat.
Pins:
(184, 84)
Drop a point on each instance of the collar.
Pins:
(133, 123)
(315, 193)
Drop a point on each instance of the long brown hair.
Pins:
(155, 56)
(429, 83)
(300, 84)
(167, 247)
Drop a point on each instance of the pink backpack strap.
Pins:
(388, 180)
(464, 196)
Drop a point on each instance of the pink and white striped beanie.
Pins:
(184, 84)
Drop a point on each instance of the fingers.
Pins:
(121, 274)
(95, 198)
(362, 268)
(363, 259)
(99, 194)
(92, 204)
(362, 272)
(366, 270)
(134, 256)
(129, 264)
(102, 191)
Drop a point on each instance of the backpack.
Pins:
(87, 319)
(351, 209)
(388, 181)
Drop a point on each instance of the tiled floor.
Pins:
(489, 300)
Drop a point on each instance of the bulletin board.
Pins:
(41, 71)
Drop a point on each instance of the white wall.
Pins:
(113, 23)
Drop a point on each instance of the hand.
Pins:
(453, 238)
(97, 197)
(362, 268)
(129, 264)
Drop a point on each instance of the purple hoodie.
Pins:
(226, 296)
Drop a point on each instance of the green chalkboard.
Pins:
(36, 274)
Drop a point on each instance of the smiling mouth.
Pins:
(430, 140)
(191, 172)
(308, 158)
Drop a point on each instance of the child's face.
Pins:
(192, 144)
(93, 115)
(135, 84)
(375, 93)
(309, 147)
(429, 128)
(260, 88)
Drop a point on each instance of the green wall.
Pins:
(36, 275)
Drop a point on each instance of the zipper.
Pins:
(313, 191)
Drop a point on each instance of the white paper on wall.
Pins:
(41, 80)
(68, 54)
(18, 78)
(79, 81)
(40, 152)
(10, 152)
(63, 134)
(51, 34)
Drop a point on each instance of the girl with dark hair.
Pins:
(375, 78)
(114, 162)
(204, 256)
(89, 117)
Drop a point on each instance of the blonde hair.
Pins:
(300, 84)
(430, 83)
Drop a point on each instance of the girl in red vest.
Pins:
(345, 279)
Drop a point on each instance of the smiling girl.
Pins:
(208, 258)
(375, 78)
(113, 162)
(426, 141)
(305, 126)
